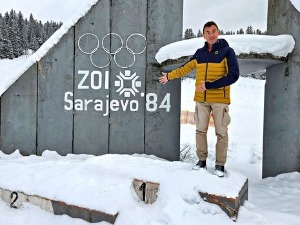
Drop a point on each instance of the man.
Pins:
(216, 69)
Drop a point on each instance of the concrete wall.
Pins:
(281, 143)
(92, 94)
(19, 114)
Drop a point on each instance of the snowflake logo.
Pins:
(127, 83)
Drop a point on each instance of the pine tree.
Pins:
(1, 37)
(34, 45)
(26, 28)
(258, 31)
(240, 31)
(188, 34)
(249, 30)
(38, 33)
(13, 34)
(199, 34)
(22, 34)
(229, 33)
(30, 32)
(9, 50)
(4, 39)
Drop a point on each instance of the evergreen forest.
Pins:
(19, 35)
(189, 33)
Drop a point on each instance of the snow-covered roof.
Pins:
(53, 40)
(278, 46)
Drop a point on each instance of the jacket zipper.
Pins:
(206, 75)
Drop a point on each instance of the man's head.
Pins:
(210, 32)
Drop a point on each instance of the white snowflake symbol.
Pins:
(131, 80)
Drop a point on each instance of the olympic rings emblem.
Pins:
(112, 55)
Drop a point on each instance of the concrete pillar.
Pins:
(162, 129)
(281, 147)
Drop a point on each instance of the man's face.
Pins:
(211, 34)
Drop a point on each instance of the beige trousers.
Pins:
(221, 120)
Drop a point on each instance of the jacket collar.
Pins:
(220, 43)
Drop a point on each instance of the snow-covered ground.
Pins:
(105, 181)
(271, 201)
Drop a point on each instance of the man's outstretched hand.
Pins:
(163, 79)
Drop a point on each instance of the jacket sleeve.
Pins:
(232, 75)
(183, 70)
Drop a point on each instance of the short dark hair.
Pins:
(209, 24)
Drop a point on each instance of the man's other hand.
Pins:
(201, 87)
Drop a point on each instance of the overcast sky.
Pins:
(228, 14)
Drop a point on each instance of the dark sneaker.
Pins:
(219, 171)
(200, 164)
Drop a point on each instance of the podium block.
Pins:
(229, 205)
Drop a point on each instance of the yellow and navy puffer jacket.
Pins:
(218, 68)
